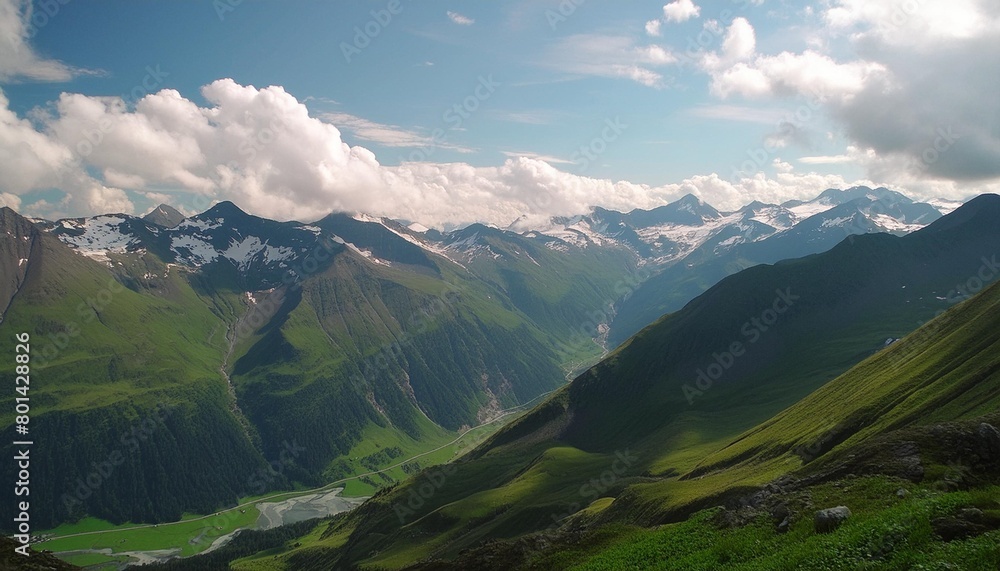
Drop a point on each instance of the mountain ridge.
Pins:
(633, 402)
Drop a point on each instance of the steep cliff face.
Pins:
(17, 240)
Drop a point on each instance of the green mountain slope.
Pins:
(361, 346)
(120, 393)
(568, 291)
(627, 429)
(903, 439)
(191, 375)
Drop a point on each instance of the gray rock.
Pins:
(952, 528)
(901, 493)
(907, 461)
(826, 521)
(991, 437)
(975, 515)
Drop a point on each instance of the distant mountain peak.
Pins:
(223, 209)
(164, 215)
(755, 205)
(689, 198)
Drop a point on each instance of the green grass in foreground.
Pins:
(885, 532)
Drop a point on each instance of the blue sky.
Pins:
(460, 103)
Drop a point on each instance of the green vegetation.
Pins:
(362, 365)
(94, 534)
(560, 470)
(367, 373)
(185, 535)
(885, 532)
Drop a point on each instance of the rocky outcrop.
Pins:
(828, 520)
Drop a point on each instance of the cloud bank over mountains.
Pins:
(911, 86)
(262, 149)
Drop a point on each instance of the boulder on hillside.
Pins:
(826, 521)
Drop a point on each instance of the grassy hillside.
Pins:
(569, 291)
(122, 388)
(902, 439)
(192, 384)
(360, 348)
(625, 444)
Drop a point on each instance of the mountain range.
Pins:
(782, 389)
(226, 338)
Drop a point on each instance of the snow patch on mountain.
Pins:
(837, 222)
(681, 240)
(197, 224)
(193, 250)
(361, 217)
(279, 254)
(243, 252)
(101, 236)
(945, 206)
(579, 232)
(808, 209)
(775, 216)
(893, 225)
(470, 249)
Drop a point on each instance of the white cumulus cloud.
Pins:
(263, 150)
(680, 11)
(918, 88)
